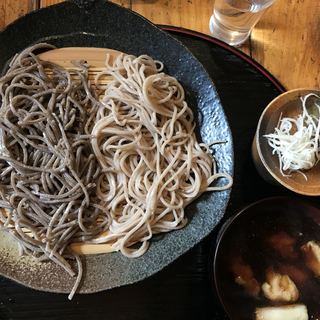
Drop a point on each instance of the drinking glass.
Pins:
(233, 20)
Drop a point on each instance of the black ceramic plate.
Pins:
(106, 25)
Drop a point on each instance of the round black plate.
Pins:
(107, 25)
(183, 289)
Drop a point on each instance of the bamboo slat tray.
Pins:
(96, 58)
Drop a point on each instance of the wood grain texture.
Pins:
(11, 10)
(124, 3)
(159, 11)
(287, 42)
(45, 3)
(190, 14)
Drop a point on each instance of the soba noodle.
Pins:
(73, 169)
(152, 164)
(48, 172)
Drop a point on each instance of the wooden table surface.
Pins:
(286, 41)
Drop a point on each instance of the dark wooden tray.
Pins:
(184, 289)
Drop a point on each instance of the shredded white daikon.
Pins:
(296, 140)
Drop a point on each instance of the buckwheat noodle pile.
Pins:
(75, 170)
(47, 169)
(152, 164)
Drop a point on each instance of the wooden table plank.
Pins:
(11, 10)
(195, 14)
(45, 3)
(160, 11)
(124, 3)
(287, 42)
(190, 14)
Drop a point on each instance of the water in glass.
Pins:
(233, 20)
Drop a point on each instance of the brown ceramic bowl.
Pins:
(267, 164)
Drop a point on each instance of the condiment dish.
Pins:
(287, 104)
